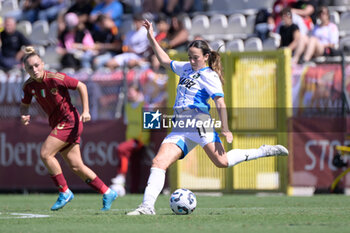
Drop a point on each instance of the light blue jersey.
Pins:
(195, 87)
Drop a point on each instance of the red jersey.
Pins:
(52, 95)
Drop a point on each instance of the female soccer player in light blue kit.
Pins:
(200, 79)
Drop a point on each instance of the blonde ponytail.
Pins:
(29, 51)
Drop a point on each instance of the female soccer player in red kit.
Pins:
(51, 92)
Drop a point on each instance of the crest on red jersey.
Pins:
(54, 91)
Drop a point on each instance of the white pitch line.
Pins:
(24, 215)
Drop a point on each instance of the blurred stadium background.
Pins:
(303, 107)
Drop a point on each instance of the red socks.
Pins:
(98, 185)
(60, 182)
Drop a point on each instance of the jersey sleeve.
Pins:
(26, 95)
(178, 67)
(213, 85)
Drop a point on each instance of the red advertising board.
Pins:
(313, 148)
(20, 164)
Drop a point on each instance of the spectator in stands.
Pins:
(162, 24)
(49, 9)
(107, 41)
(135, 46)
(263, 24)
(82, 8)
(307, 9)
(277, 8)
(11, 42)
(177, 37)
(33, 10)
(112, 8)
(181, 6)
(297, 19)
(29, 11)
(291, 36)
(75, 44)
(171, 7)
(324, 39)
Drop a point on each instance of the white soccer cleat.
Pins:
(276, 150)
(143, 210)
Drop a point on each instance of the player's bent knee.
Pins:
(221, 164)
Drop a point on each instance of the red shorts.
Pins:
(69, 129)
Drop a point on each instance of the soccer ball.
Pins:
(183, 201)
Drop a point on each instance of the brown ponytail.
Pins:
(214, 60)
(215, 64)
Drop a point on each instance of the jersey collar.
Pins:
(202, 69)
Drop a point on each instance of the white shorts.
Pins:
(187, 138)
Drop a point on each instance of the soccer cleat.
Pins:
(143, 210)
(63, 199)
(108, 199)
(275, 150)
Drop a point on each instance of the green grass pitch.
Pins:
(227, 213)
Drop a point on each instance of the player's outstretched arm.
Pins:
(162, 56)
(85, 115)
(25, 117)
(221, 108)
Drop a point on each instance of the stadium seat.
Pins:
(51, 57)
(40, 32)
(236, 26)
(53, 32)
(334, 17)
(271, 43)
(235, 45)
(15, 75)
(7, 6)
(341, 2)
(200, 26)
(218, 26)
(25, 27)
(186, 20)
(85, 70)
(225, 6)
(344, 44)
(249, 30)
(3, 76)
(40, 50)
(258, 4)
(218, 45)
(68, 71)
(344, 24)
(253, 44)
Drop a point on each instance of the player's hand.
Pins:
(85, 117)
(148, 25)
(25, 119)
(228, 135)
